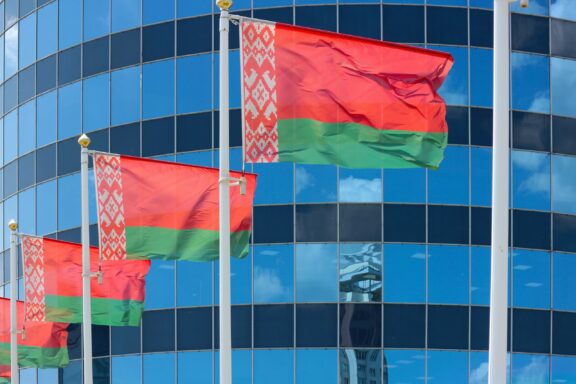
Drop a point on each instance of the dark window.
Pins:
(96, 56)
(564, 335)
(194, 35)
(564, 233)
(69, 65)
(563, 34)
(241, 326)
(447, 25)
(481, 28)
(71, 235)
(564, 131)
(101, 371)
(457, 119)
(316, 325)
(27, 175)
(190, 321)
(360, 325)
(447, 327)
(530, 33)
(274, 224)
(99, 140)
(26, 6)
(235, 128)
(481, 127)
(68, 156)
(531, 331)
(194, 132)
(75, 341)
(11, 178)
(94, 235)
(233, 39)
(360, 222)
(531, 131)
(158, 137)
(479, 328)
(11, 93)
(404, 326)
(46, 163)
(279, 15)
(531, 229)
(274, 326)
(100, 340)
(316, 222)
(126, 340)
(158, 41)
(321, 17)
(395, 18)
(125, 48)
(447, 225)
(360, 20)
(158, 331)
(125, 139)
(27, 84)
(404, 223)
(481, 225)
(46, 74)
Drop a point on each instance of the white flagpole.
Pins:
(13, 297)
(84, 142)
(224, 191)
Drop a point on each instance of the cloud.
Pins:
(535, 372)
(268, 286)
(479, 375)
(304, 179)
(12, 47)
(316, 269)
(360, 190)
(564, 184)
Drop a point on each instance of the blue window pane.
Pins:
(194, 284)
(563, 80)
(273, 274)
(455, 88)
(69, 32)
(241, 367)
(273, 366)
(478, 367)
(563, 369)
(241, 270)
(11, 51)
(28, 376)
(404, 273)
(194, 70)
(563, 184)
(96, 18)
(448, 288)
(27, 127)
(160, 285)
(448, 367)
(27, 41)
(235, 94)
(158, 10)
(531, 180)
(530, 369)
(480, 284)
(360, 272)
(360, 185)
(268, 3)
(2, 51)
(564, 284)
(10, 212)
(531, 279)
(96, 103)
(69, 202)
(160, 368)
(203, 158)
(10, 136)
(396, 180)
(46, 107)
(533, 95)
(275, 183)
(126, 14)
(158, 89)
(193, 7)
(536, 7)
(48, 376)
(27, 211)
(481, 74)
(48, 30)
(126, 370)
(125, 95)
(316, 366)
(69, 110)
(481, 159)
(563, 9)
(315, 183)
(316, 273)
(360, 366)
(449, 184)
(46, 198)
(195, 367)
(404, 366)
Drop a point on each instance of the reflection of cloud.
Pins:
(533, 284)
(304, 179)
(528, 161)
(535, 8)
(535, 372)
(360, 190)
(522, 267)
(541, 102)
(537, 166)
(12, 49)
(564, 9)
(418, 256)
(536, 183)
(269, 253)
(564, 184)
(479, 375)
(316, 269)
(268, 285)
(563, 84)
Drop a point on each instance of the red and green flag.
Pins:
(150, 209)
(53, 284)
(319, 97)
(40, 345)
(5, 374)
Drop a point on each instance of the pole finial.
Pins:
(524, 3)
(13, 225)
(84, 141)
(224, 5)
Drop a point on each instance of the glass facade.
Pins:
(354, 276)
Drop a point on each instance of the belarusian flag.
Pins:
(53, 284)
(319, 97)
(42, 345)
(150, 209)
(5, 374)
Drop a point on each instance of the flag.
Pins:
(319, 97)
(53, 284)
(5, 374)
(44, 344)
(149, 209)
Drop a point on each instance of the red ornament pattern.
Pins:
(34, 284)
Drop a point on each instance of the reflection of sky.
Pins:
(563, 184)
(478, 368)
(404, 273)
(563, 86)
(275, 183)
(273, 274)
(405, 366)
(360, 272)
(563, 9)
(11, 51)
(531, 180)
(530, 369)
(449, 183)
(315, 183)
(316, 272)
(563, 370)
(481, 178)
(531, 279)
(195, 367)
(447, 367)
(316, 366)
(480, 284)
(536, 7)
(405, 185)
(159, 368)
(276, 366)
(160, 285)
(455, 88)
(360, 185)
(533, 94)
(444, 287)
(564, 282)
(481, 73)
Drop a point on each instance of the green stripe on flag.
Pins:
(68, 309)
(35, 357)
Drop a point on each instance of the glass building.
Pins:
(355, 276)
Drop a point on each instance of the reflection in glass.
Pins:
(235, 94)
(194, 284)
(531, 180)
(188, 8)
(48, 376)
(316, 272)
(96, 18)
(274, 366)
(563, 184)
(563, 85)
(360, 272)
(404, 273)
(71, 374)
(241, 366)
(481, 74)
(361, 366)
(46, 107)
(404, 366)
(531, 279)
(47, 30)
(195, 367)
(273, 274)
(69, 32)
(530, 369)
(564, 284)
(27, 211)
(11, 51)
(125, 95)
(157, 10)
(396, 181)
(96, 103)
(480, 284)
(275, 183)
(537, 7)
(360, 185)
(27, 127)
(46, 198)
(449, 183)
(194, 70)
(563, 369)
(478, 368)
(563, 9)
(447, 367)
(69, 122)
(126, 14)
(160, 285)
(27, 41)
(532, 95)
(315, 183)
(316, 366)
(159, 368)
(69, 201)
(481, 176)
(241, 280)
(455, 88)
(448, 288)
(28, 376)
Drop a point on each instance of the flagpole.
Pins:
(84, 142)
(500, 180)
(13, 225)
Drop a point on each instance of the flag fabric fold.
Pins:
(53, 284)
(150, 209)
(318, 97)
(5, 374)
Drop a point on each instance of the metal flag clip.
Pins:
(241, 182)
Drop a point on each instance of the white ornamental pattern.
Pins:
(259, 92)
(110, 201)
(34, 278)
